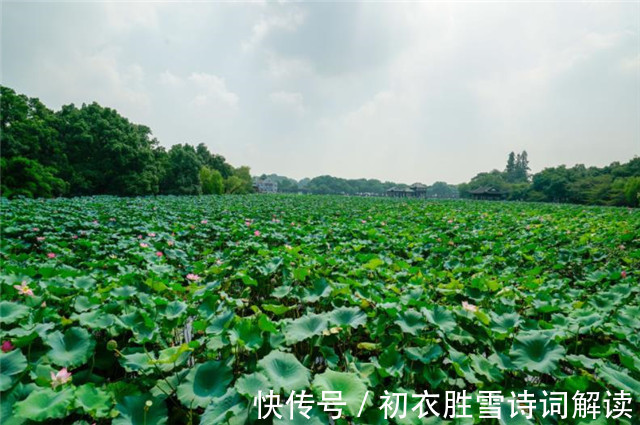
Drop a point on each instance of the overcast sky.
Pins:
(396, 91)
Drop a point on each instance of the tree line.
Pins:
(330, 185)
(93, 150)
(615, 184)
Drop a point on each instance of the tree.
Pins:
(107, 154)
(242, 183)
(25, 177)
(632, 191)
(182, 172)
(510, 169)
(521, 171)
(211, 180)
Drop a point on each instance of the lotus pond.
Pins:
(180, 309)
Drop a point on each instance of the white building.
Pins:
(265, 186)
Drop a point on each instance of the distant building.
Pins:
(265, 186)
(487, 193)
(416, 190)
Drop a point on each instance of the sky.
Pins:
(398, 91)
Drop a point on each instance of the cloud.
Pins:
(168, 79)
(282, 67)
(288, 21)
(294, 101)
(212, 89)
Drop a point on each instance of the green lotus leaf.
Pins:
(219, 322)
(95, 319)
(352, 389)
(172, 357)
(620, 379)
(93, 401)
(11, 312)
(174, 309)
(73, 348)
(505, 323)
(84, 283)
(246, 333)
(249, 385)
(390, 363)
(134, 410)
(305, 327)
(284, 372)
(11, 365)
(9, 399)
(221, 409)
(411, 322)
(424, 354)
(441, 317)
(143, 327)
(203, 383)
(484, 367)
(277, 309)
(348, 316)
(536, 351)
(136, 360)
(319, 289)
(45, 403)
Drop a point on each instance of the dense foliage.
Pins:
(616, 184)
(179, 309)
(94, 150)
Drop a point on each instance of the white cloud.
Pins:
(131, 15)
(281, 67)
(168, 79)
(212, 89)
(287, 21)
(294, 101)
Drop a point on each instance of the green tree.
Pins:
(107, 154)
(182, 172)
(26, 177)
(632, 191)
(510, 169)
(211, 180)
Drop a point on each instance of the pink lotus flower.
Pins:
(40, 238)
(247, 223)
(23, 289)
(257, 233)
(384, 223)
(152, 235)
(159, 254)
(51, 255)
(170, 243)
(60, 378)
(204, 222)
(469, 307)
(74, 237)
(219, 262)
(622, 247)
(143, 245)
(193, 277)
(7, 346)
(35, 229)
(95, 221)
(139, 236)
(623, 273)
(363, 221)
(449, 221)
